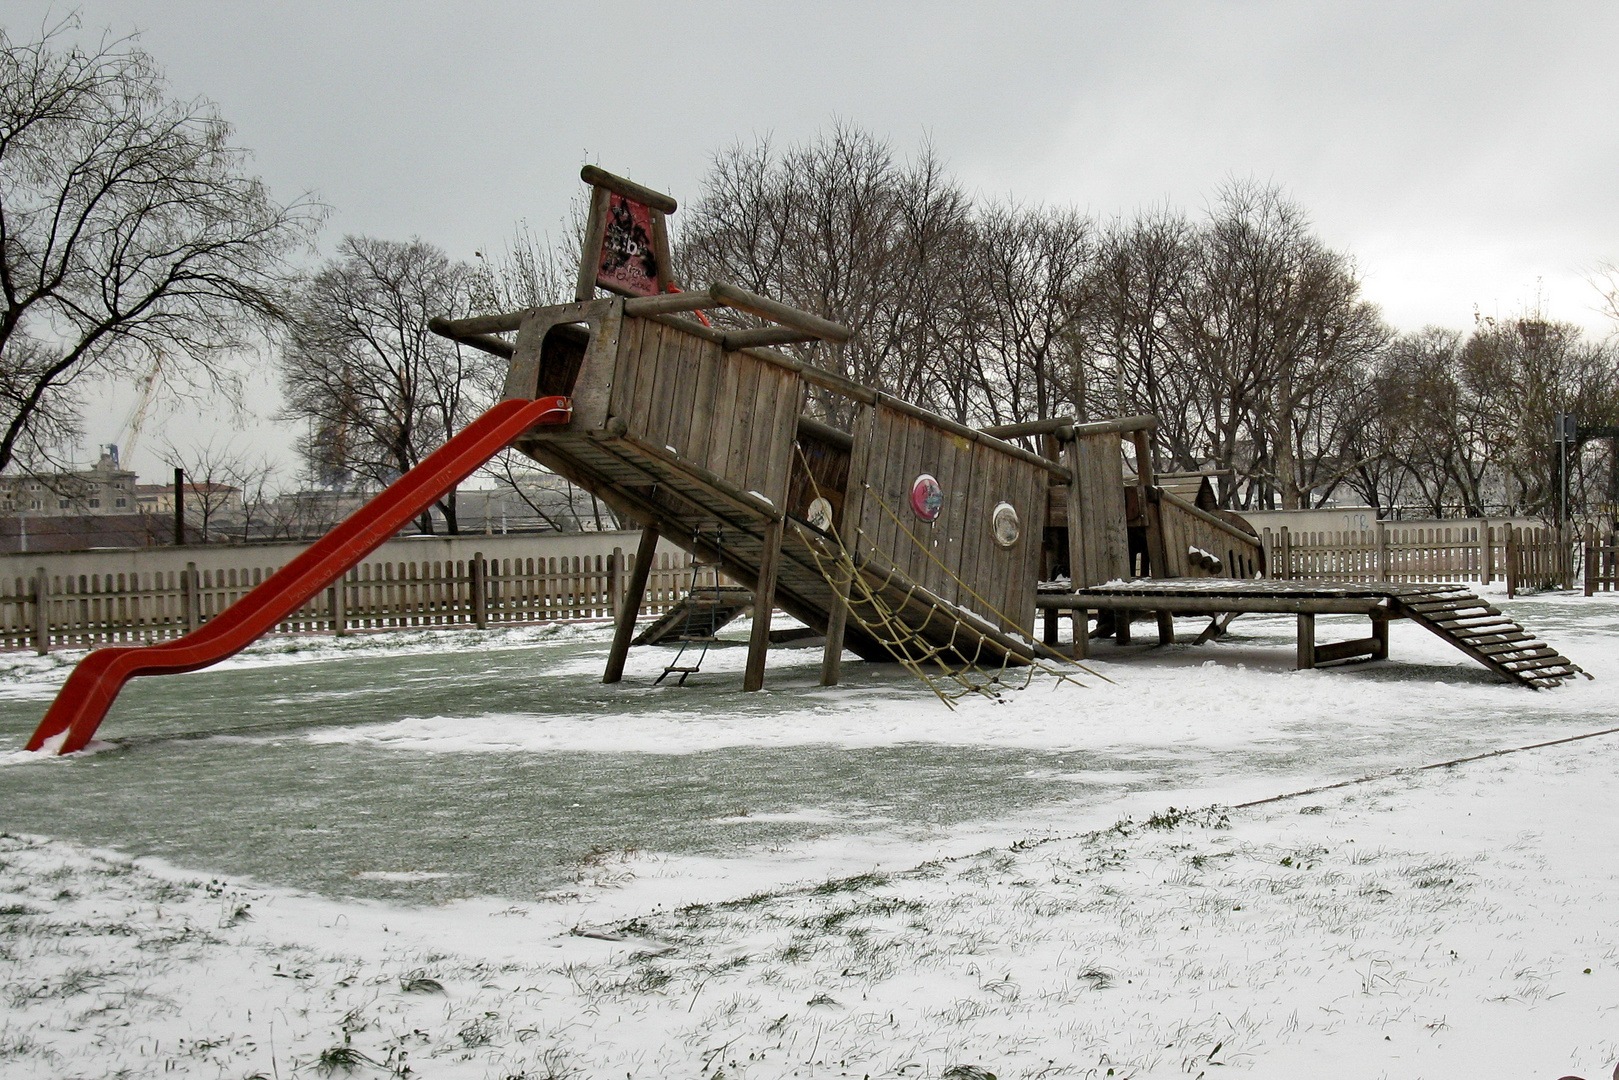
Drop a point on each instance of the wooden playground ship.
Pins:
(898, 533)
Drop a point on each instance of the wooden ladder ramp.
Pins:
(1479, 629)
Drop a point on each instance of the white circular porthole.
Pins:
(1003, 523)
(819, 514)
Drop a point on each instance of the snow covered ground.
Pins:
(462, 856)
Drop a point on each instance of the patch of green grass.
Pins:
(344, 1058)
(416, 983)
(849, 884)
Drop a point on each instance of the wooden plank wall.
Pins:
(1098, 546)
(724, 411)
(1183, 531)
(955, 556)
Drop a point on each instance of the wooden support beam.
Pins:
(504, 323)
(668, 303)
(808, 425)
(776, 311)
(1380, 635)
(737, 340)
(624, 626)
(590, 249)
(601, 178)
(1082, 633)
(1206, 517)
(764, 600)
(837, 622)
(1345, 650)
(1166, 628)
(1186, 602)
(1306, 641)
(1065, 428)
(858, 443)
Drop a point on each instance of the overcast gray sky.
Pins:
(1464, 153)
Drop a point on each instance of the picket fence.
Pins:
(1527, 558)
(45, 611)
(1601, 564)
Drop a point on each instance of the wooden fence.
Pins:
(85, 610)
(1601, 564)
(1527, 558)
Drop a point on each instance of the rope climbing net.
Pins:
(933, 639)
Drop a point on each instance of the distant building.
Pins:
(222, 500)
(104, 489)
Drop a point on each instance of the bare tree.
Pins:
(840, 227)
(218, 476)
(129, 229)
(377, 389)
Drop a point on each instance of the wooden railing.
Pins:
(1527, 558)
(79, 611)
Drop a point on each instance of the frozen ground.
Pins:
(793, 874)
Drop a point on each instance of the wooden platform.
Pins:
(1450, 611)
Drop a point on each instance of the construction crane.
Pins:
(129, 432)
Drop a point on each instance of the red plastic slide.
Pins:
(89, 691)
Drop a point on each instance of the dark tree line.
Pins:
(134, 243)
(1241, 329)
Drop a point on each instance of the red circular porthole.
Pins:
(927, 498)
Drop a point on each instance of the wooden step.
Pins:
(1478, 622)
(1482, 631)
(1512, 654)
(1536, 663)
(1434, 607)
(1480, 639)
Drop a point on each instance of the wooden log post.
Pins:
(1590, 567)
(42, 612)
(1512, 560)
(624, 626)
(848, 531)
(1082, 633)
(1380, 635)
(615, 580)
(764, 601)
(1306, 641)
(1049, 626)
(190, 596)
(1382, 551)
(477, 586)
(340, 606)
(837, 622)
(1153, 513)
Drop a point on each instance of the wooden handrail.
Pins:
(1198, 512)
(1065, 428)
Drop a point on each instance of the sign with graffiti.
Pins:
(629, 259)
